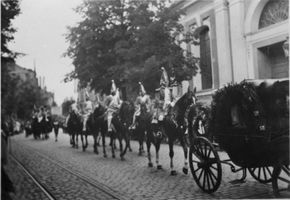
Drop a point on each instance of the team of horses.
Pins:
(148, 129)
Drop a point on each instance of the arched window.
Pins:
(275, 11)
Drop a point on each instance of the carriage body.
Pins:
(250, 122)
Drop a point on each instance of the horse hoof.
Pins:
(105, 156)
(185, 170)
(150, 164)
(130, 150)
(122, 158)
(96, 152)
(84, 149)
(140, 153)
(113, 156)
(173, 173)
(159, 166)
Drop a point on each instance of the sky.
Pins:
(41, 27)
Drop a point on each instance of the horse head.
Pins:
(187, 100)
(126, 112)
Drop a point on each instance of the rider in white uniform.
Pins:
(164, 90)
(87, 110)
(143, 98)
(113, 103)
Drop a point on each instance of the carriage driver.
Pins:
(113, 103)
(144, 99)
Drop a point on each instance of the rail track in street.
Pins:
(41, 186)
(64, 168)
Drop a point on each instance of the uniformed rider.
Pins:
(113, 103)
(87, 110)
(164, 90)
(142, 99)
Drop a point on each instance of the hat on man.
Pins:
(113, 87)
(164, 81)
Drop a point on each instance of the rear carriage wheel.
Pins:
(281, 181)
(262, 174)
(205, 165)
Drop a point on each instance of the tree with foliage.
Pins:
(10, 9)
(128, 41)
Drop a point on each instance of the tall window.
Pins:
(205, 59)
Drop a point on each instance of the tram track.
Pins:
(41, 186)
(108, 191)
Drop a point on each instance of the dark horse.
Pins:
(175, 126)
(36, 128)
(121, 121)
(74, 128)
(96, 124)
(143, 126)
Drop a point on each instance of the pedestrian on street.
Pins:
(56, 128)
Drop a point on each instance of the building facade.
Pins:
(238, 39)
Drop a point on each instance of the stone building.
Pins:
(238, 39)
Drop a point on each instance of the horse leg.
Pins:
(77, 140)
(126, 138)
(129, 142)
(157, 147)
(171, 154)
(95, 144)
(185, 151)
(112, 146)
(87, 144)
(73, 140)
(103, 132)
(98, 138)
(148, 143)
(121, 148)
(140, 147)
(82, 138)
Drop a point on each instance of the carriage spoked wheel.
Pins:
(205, 165)
(262, 174)
(281, 181)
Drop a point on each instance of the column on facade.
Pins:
(223, 42)
(237, 16)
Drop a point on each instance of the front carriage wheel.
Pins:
(205, 165)
(262, 174)
(281, 181)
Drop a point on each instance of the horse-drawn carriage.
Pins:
(250, 122)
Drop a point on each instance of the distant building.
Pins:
(30, 75)
(239, 39)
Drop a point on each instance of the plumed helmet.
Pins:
(113, 87)
(164, 81)
(142, 89)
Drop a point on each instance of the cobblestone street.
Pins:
(115, 179)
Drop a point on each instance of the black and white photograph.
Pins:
(144, 99)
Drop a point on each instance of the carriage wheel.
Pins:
(205, 165)
(262, 174)
(281, 181)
